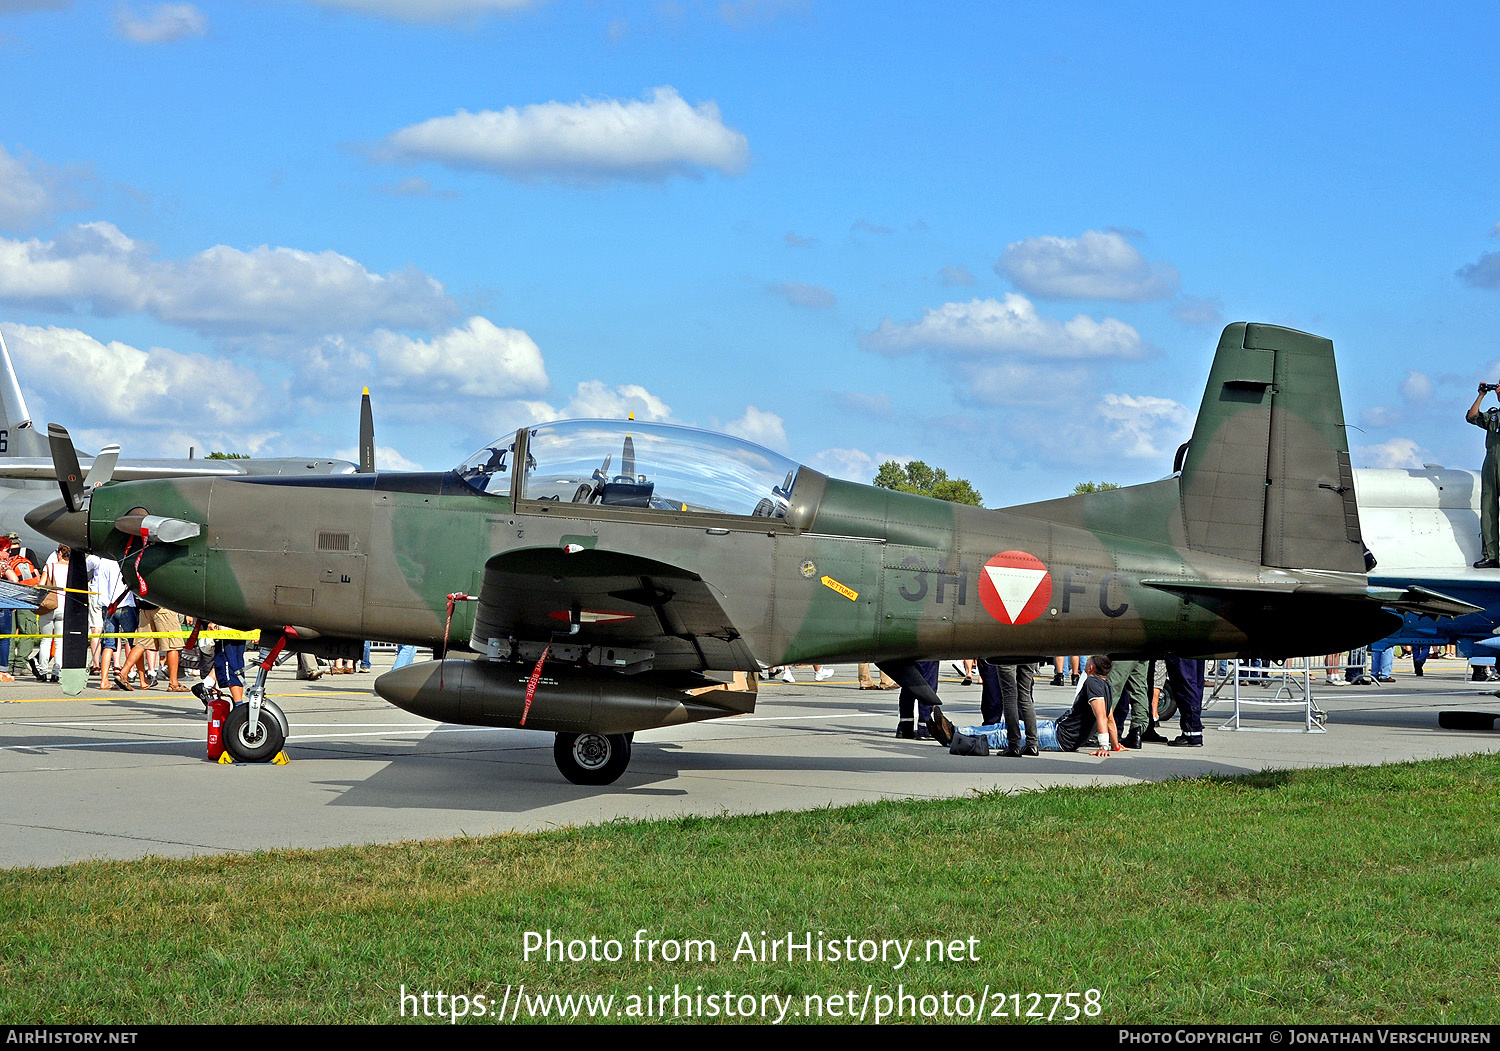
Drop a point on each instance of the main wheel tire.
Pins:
(258, 747)
(591, 758)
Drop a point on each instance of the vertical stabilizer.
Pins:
(17, 436)
(1267, 477)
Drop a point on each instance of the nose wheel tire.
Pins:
(591, 758)
(259, 746)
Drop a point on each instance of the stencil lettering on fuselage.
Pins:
(1015, 587)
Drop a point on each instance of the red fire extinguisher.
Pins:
(218, 711)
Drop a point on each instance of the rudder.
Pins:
(1267, 477)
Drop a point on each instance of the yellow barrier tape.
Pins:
(247, 636)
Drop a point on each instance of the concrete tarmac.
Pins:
(124, 775)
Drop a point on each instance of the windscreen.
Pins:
(615, 463)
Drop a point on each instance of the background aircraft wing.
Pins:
(616, 600)
(18, 596)
(1410, 599)
(39, 468)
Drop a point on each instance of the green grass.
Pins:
(1346, 895)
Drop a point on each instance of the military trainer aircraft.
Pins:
(594, 593)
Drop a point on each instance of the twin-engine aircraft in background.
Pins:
(594, 593)
(28, 477)
(1423, 526)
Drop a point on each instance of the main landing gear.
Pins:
(592, 758)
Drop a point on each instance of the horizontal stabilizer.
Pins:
(1419, 600)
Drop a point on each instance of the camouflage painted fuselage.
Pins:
(855, 572)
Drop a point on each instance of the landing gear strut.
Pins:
(592, 758)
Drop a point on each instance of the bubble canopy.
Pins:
(656, 466)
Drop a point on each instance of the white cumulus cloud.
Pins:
(129, 386)
(1144, 426)
(856, 465)
(1416, 386)
(761, 427)
(596, 400)
(387, 458)
(95, 266)
(591, 140)
(479, 359)
(988, 326)
(1101, 264)
(1396, 452)
(162, 24)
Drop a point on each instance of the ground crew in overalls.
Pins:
(1489, 480)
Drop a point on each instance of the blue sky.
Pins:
(999, 238)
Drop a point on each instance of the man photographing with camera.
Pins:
(1489, 480)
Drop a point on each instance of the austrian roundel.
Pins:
(1015, 587)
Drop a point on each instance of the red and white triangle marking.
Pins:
(1015, 587)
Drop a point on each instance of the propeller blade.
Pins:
(158, 528)
(75, 632)
(627, 459)
(102, 469)
(366, 435)
(65, 466)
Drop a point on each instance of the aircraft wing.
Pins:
(632, 613)
(34, 467)
(1409, 599)
(18, 596)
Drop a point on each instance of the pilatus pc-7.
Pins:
(598, 572)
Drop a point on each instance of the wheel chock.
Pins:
(280, 759)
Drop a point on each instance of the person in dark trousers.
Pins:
(912, 719)
(1185, 679)
(1019, 705)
